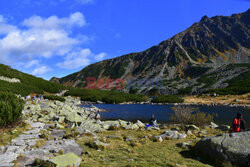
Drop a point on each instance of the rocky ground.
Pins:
(64, 134)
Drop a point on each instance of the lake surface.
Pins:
(143, 112)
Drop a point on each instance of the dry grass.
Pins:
(226, 99)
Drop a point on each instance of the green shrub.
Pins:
(53, 97)
(185, 91)
(237, 86)
(29, 84)
(189, 115)
(168, 99)
(10, 109)
(107, 96)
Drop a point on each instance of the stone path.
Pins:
(22, 145)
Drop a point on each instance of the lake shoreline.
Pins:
(174, 104)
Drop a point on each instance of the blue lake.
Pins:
(143, 112)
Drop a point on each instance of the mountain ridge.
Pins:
(205, 46)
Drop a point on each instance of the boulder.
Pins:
(140, 124)
(89, 126)
(213, 125)
(172, 134)
(234, 147)
(66, 160)
(224, 127)
(73, 117)
(192, 127)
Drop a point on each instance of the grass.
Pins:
(139, 152)
(7, 134)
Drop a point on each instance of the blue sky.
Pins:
(49, 38)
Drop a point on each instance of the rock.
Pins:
(6, 159)
(157, 139)
(172, 135)
(152, 128)
(73, 117)
(89, 126)
(224, 127)
(236, 100)
(192, 127)
(213, 125)
(184, 145)
(140, 124)
(189, 133)
(128, 138)
(234, 147)
(99, 145)
(66, 160)
(57, 133)
(59, 126)
(61, 119)
(123, 124)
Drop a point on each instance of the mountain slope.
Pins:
(194, 60)
(20, 83)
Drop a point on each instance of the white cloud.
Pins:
(41, 70)
(75, 60)
(84, 1)
(5, 28)
(32, 63)
(100, 56)
(79, 59)
(36, 40)
(39, 37)
(53, 22)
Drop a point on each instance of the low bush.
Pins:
(53, 97)
(107, 96)
(168, 99)
(10, 109)
(189, 115)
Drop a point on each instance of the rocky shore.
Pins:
(57, 128)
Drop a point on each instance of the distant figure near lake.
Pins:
(239, 123)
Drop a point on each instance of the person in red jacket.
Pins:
(239, 123)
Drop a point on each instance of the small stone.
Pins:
(213, 125)
(189, 133)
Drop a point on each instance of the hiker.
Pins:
(153, 121)
(98, 116)
(238, 123)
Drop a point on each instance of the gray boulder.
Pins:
(172, 134)
(65, 160)
(234, 147)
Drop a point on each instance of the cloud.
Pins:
(79, 59)
(38, 37)
(100, 56)
(53, 22)
(41, 70)
(75, 60)
(84, 1)
(32, 63)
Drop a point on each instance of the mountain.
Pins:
(17, 82)
(207, 55)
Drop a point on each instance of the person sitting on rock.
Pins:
(97, 116)
(238, 123)
(153, 121)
